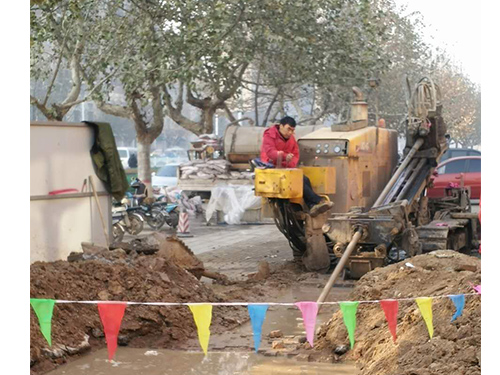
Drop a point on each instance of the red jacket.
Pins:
(273, 142)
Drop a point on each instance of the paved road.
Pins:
(235, 249)
(224, 236)
(207, 238)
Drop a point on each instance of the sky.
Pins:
(454, 25)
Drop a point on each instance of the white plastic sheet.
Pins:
(190, 205)
(233, 201)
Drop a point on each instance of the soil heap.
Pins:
(455, 347)
(118, 276)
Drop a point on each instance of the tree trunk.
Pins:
(144, 163)
(208, 119)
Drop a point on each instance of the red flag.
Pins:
(111, 317)
(390, 307)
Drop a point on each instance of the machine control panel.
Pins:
(323, 147)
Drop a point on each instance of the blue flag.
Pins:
(257, 315)
(459, 301)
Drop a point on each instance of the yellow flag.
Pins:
(425, 306)
(202, 315)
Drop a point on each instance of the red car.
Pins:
(451, 172)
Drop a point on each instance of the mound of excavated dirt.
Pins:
(120, 277)
(455, 347)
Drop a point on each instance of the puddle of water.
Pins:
(228, 355)
(287, 319)
(131, 361)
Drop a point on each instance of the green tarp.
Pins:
(106, 160)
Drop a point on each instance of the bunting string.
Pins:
(249, 303)
(112, 312)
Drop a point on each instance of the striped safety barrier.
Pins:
(183, 226)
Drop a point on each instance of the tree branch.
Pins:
(195, 102)
(176, 114)
(273, 100)
(87, 97)
(49, 90)
(75, 78)
(115, 110)
(46, 111)
(252, 123)
(256, 97)
(155, 130)
(180, 97)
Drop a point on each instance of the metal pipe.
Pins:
(394, 190)
(340, 266)
(400, 170)
(412, 178)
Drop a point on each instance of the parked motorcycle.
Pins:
(118, 229)
(130, 221)
(153, 216)
(170, 213)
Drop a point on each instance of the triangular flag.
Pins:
(390, 307)
(349, 314)
(425, 306)
(309, 311)
(459, 302)
(202, 315)
(477, 288)
(257, 315)
(43, 310)
(111, 317)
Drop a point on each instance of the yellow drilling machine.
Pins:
(381, 213)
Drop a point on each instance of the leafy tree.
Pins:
(59, 33)
(411, 58)
(461, 100)
(199, 52)
(325, 48)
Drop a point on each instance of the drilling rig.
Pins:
(381, 213)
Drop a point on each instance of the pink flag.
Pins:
(390, 307)
(477, 288)
(309, 312)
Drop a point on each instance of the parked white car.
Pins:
(125, 153)
(166, 176)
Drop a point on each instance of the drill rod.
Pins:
(340, 266)
(400, 170)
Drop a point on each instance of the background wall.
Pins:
(60, 159)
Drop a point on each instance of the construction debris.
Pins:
(263, 272)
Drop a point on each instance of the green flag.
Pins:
(349, 314)
(43, 310)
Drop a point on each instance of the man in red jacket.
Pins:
(280, 149)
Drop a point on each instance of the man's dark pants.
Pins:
(310, 197)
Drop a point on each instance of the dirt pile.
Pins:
(455, 347)
(116, 275)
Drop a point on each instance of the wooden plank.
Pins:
(66, 196)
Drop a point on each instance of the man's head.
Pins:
(287, 126)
